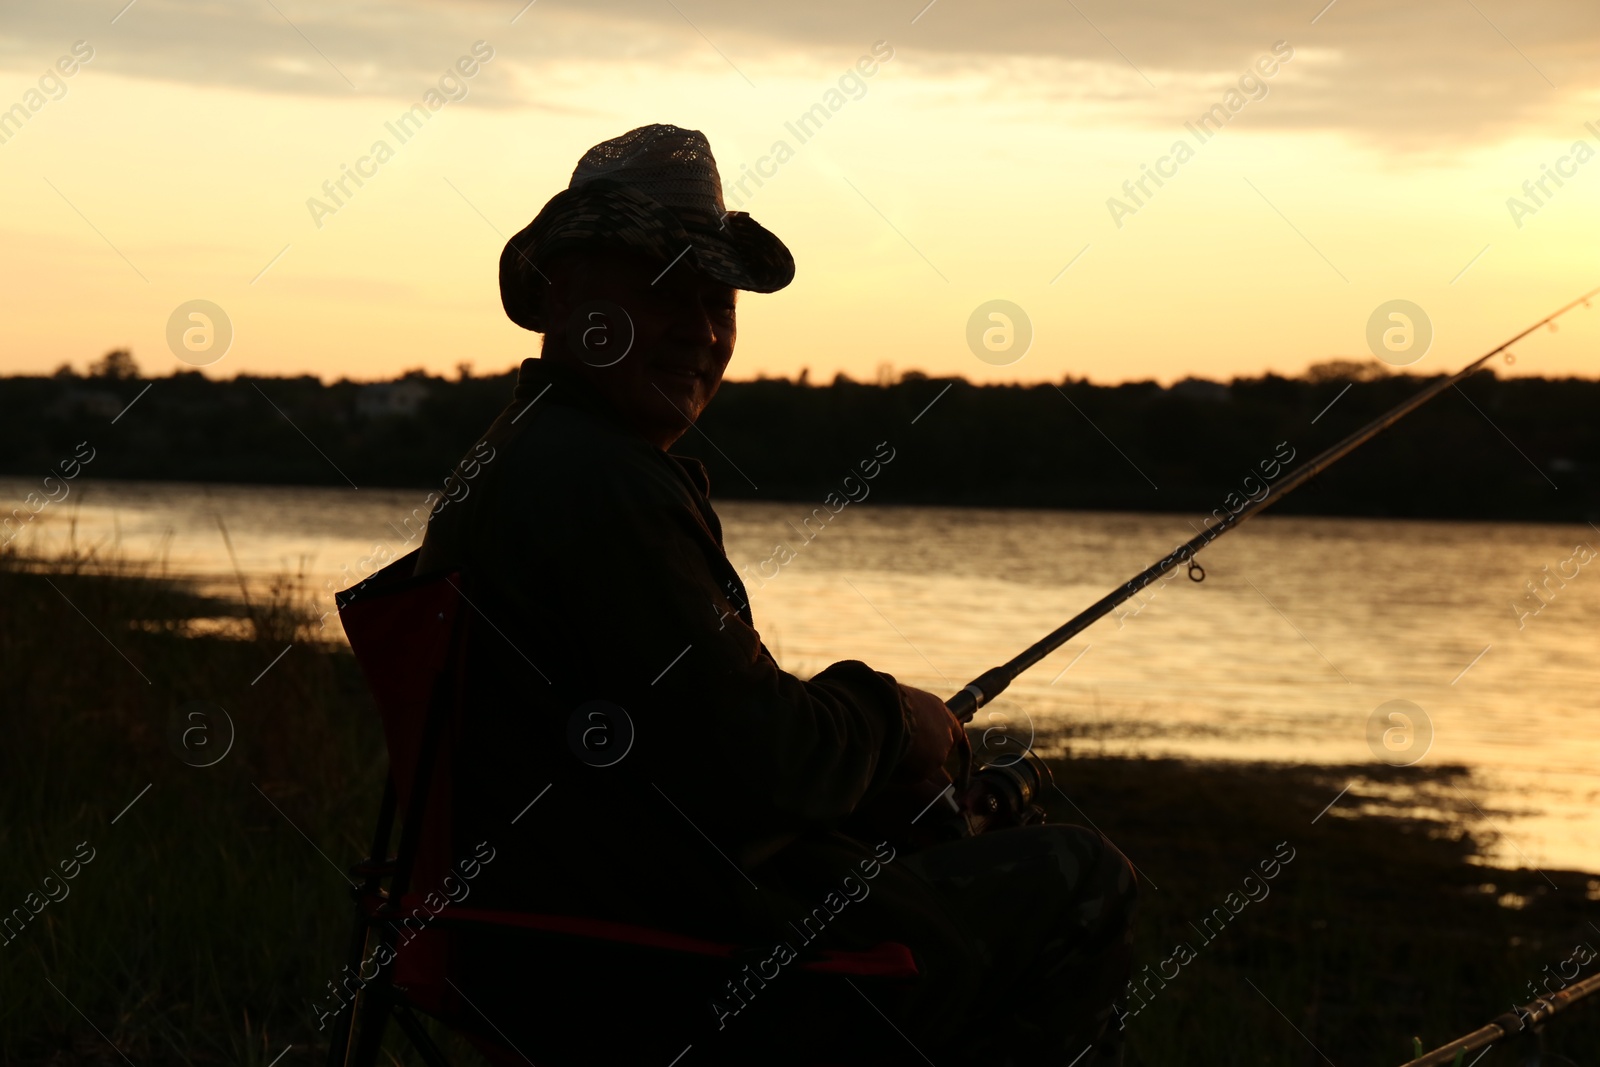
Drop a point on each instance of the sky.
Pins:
(1358, 153)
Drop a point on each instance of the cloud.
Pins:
(1406, 77)
(392, 50)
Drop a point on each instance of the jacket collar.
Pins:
(548, 380)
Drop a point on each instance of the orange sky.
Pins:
(1369, 152)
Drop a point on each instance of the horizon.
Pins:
(1351, 370)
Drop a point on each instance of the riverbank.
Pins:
(1383, 926)
(221, 775)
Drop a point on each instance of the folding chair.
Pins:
(411, 636)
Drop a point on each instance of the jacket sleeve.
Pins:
(616, 559)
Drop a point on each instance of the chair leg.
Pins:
(343, 1022)
(370, 1017)
(339, 1040)
(412, 1027)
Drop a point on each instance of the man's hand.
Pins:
(935, 733)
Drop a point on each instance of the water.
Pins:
(1301, 631)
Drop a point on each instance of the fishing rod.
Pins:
(1513, 1022)
(991, 683)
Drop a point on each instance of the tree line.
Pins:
(1514, 449)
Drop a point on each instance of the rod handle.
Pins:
(982, 689)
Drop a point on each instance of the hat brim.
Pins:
(733, 249)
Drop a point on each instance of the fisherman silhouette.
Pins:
(594, 552)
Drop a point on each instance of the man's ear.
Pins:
(564, 274)
(556, 303)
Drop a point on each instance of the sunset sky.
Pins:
(1374, 162)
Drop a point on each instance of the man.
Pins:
(684, 781)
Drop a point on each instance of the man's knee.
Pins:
(1100, 880)
(1120, 871)
(1086, 854)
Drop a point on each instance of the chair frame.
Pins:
(360, 1024)
(375, 903)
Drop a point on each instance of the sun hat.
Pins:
(655, 190)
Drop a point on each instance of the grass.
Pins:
(214, 908)
(1381, 929)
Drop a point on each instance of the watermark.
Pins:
(1269, 468)
(1004, 725)
(999, 332)
(1399, 332)
(431, 904)
(451, 87)
(1252, 86)
(414, 525)
(1565, 167)
(1251, 890)
(785, 552)
(51, 88)
(1233, 505)
(12, 524)
(600, 333)
(199, 332)
(741, 991)
(1140, 599)
(600, 733)
(851, 85)
(1581, 956)
(200, 733)
(1582, 554)
(1399, 733)
(12, 925)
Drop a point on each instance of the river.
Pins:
(1303, 631)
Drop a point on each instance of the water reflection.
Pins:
(1301, 630)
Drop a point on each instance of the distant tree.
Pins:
(1347, 370)
(117, 363)
(464, 371)
(64, 371)
(804, 377)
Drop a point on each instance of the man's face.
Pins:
(682, 325)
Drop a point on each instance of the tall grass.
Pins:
(213, 909)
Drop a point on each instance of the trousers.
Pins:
(1022, 939)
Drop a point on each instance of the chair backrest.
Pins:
(409, 636)
(401, 627)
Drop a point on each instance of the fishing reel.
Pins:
(981, 796)
(1002, 794)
